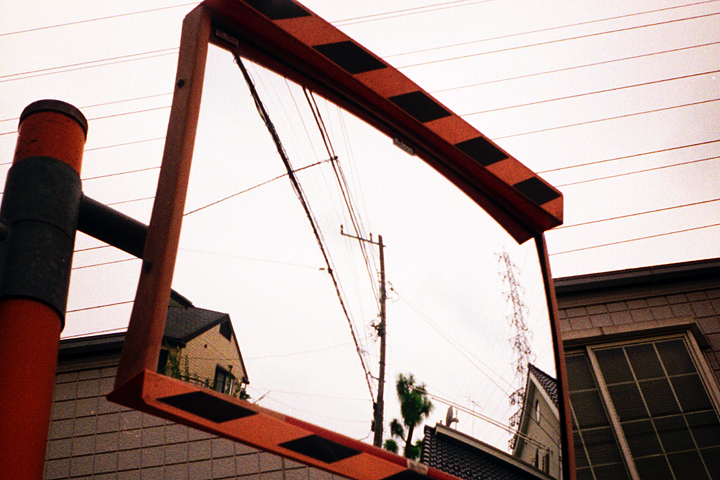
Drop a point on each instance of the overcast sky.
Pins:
(614, 103)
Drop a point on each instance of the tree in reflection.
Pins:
(415, 406)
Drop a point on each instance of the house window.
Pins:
(224, 380)
(545, 467)
(163, 360)
(537, 410)
(225, 330)
(642, 410)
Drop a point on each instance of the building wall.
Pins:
(644, 307)
(91, 437)
(546, 431)
(624, 423)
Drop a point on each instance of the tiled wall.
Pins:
(648, 307)
(93, 438)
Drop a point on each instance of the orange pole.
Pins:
(30, 328)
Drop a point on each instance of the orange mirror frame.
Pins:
(289, 39)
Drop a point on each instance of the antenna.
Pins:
(450, 417)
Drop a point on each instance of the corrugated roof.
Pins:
(466, 461)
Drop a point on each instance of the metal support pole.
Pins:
(39, 214)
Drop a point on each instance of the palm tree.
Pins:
(415, 406)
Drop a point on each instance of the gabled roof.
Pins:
(182, 324)
(469, 459)
(548, 383)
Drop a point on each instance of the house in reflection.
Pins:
(200, 346)
(468, 458)
(536, 440)
(535, 446)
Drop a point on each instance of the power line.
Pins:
(487, 419)
(130, 113)
(607, 177)
(255, 259)
(560, 40)
(299, 192)
(456, 345)
(253, 187)
(619, 217)
(548, 29)
(113, 262)
(294, 354)
(124, 144)
(344, 189)
(636, 239)
(624, 157)
(589, 122)
(576, 67)
(114, 115)
(95, 307)
(90, 64)
(607, 90)
(407, 11)
(117, 174)
(110, 17)
(114, 102)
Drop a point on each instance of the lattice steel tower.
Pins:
(520, 339)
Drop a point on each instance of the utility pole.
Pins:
(379, 405)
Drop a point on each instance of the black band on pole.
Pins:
(40, 209)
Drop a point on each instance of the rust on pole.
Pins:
(37, 245)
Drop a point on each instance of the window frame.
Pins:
(690, 339)
(228, 379)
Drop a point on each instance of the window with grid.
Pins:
(642, 410)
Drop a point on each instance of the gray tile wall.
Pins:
(648, 307)
(93, 438)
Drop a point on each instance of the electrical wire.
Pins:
(549, 29)
(491, 421)
(606, 119)
(125, 144)
(298, 190)
(115, 115)
(576, 67)
(596, 92)
(110, 17)
(630, 240)
(344, 190)
(112, 262)
(619, 217)
(90, 64)
(625, 157)
(653, 169)
(95, 307)
(560, 40)
(253, 188)
(118, 174)
(407, 11)
(456, 345)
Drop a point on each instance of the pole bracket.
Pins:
(39, 212)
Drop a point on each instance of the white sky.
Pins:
(615, 103)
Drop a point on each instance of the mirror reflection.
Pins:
(279, 284)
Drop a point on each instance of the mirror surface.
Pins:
(465, 303)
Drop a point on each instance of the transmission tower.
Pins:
(520, 337)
